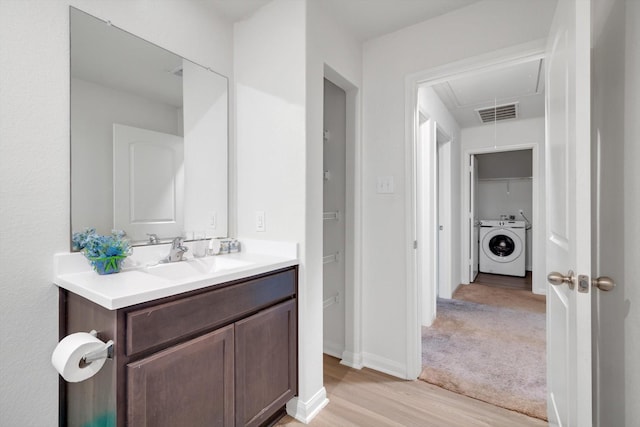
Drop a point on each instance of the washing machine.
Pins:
(502, 247)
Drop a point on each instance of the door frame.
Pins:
(352, 354)
(486, 62)
(432, 139)
(537, 216)
(426, 215)
(444, 197)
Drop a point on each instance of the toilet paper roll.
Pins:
(68, 354)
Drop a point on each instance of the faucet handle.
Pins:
(153, 238)
(177, 242)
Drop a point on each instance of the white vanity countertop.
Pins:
(141, 280)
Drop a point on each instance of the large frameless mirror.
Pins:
(149, 137)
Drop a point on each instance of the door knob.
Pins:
(558, 279)
(604, 283)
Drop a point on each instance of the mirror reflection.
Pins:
(148, 137)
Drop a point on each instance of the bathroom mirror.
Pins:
(149, 137)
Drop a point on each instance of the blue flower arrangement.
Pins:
(105, 253)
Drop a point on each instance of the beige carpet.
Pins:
(489, 352)
(517, 299)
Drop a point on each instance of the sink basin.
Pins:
(194, 267)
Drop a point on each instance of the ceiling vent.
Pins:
(497, 113)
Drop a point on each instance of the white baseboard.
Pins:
(387, 366)
(333, 349)
(352, 360)
(306, 411)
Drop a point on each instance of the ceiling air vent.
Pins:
(497, 113)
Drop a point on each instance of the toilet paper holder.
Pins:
(102, 353)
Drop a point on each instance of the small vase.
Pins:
(107, 265)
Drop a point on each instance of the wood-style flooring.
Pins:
(369, 398)
(502, 291)
(498, 280)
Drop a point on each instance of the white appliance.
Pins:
(502, 247)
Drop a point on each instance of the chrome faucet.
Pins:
(177, 250)
(153, 239)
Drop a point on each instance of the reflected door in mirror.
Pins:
(148, 182)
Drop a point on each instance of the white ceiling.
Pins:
(365, 19)
(521, 83)
(368, 19)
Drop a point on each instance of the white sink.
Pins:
(194, 267)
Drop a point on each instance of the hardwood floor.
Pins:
(502, 291)
(498, 280)
(369, 398)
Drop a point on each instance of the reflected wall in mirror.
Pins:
(149, 137)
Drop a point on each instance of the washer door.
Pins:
(501, 245)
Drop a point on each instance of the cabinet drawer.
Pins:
(153, 327)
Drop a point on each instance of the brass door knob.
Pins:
(558, 279)
(604, 283)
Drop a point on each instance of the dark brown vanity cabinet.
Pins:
(220, 356)
(190, 381)
(266, 368)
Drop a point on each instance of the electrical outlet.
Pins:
(213, 220)
(260, 221)
(384, 185)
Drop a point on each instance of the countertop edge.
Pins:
(168, 288)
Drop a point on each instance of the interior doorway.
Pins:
(434, 215)
(334, 206)
(479, 197)
(459, 167)
(527, 66)
(501, 205)
(342, 225)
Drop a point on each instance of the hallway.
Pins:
(489, 342)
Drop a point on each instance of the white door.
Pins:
(474, 223)
(148, 181)
(568, 244)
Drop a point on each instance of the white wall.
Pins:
(474, 30)
(504, 197)
(616, 131)
(280, 57)
(334, 53)
(505, 134)
(431, 104)
(34, 170)
(95, 108)
(493, 199)
(270, 65)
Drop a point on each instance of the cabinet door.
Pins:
(266, 363)
(190, 384)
